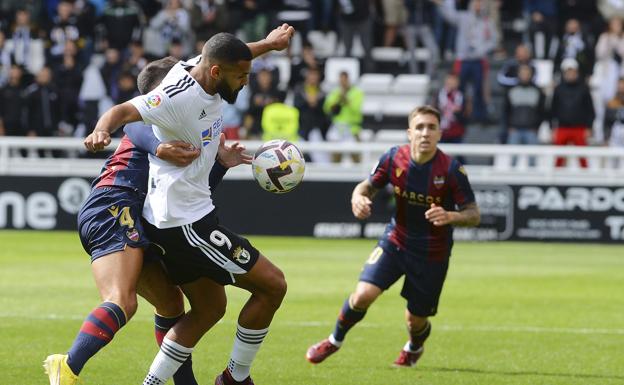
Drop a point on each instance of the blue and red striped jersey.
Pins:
(442, 181)
(126, 167)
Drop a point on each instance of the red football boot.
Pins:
(319, 352)
(225, 378)
(408, 359)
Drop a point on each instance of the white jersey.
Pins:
(180, 109)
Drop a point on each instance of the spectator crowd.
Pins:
(553, 63)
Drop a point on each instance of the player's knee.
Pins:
(362, 299)
(127, 302)
(276, 288)
(210, 311)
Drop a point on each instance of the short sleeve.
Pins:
(156, 108)
(461, 189)
(380, 174)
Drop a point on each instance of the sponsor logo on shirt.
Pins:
(206, 137)
(213, 132)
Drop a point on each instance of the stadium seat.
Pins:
(387, 54)
(411, 84)
(422, 54)
(283, 65)
(373, 105)
(323, 43)
(335, 65)
(375, 83)
(391, 136)
(401, 106)
(543, 72)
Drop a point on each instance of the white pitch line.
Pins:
(309, 324)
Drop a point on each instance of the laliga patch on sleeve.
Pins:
(153, 101)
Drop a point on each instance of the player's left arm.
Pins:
(277, 40)
(468, 216)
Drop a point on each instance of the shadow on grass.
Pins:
(521, 373)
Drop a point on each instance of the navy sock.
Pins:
(418, 338)
(184, 375)
(347, 318)
(97, 330)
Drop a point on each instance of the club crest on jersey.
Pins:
(438, 181)
(398, 172)
(133, 235)
(153, 101)
(241, 255)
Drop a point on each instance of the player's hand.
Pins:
(438, 216)
(279, 38)
(97, 140)
(178, 153)
(361, 206)
(231, 156)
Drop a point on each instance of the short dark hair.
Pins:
(153, 73)
(424, 110)
(225, 48)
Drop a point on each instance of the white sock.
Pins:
(334, 342)
(246, 344)
(408, 348)
(169, 358)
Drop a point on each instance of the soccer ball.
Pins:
(278, 166)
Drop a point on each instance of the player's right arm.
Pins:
(109, 123)
(363, 193)
(362, 199)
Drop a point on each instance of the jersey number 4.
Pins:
(125, 219)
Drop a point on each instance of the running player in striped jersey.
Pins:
(112, 234)
(201, 255)
(432, 195)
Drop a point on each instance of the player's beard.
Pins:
(228, 94)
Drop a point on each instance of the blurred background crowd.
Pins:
(518, 72)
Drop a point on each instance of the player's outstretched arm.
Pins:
(361, 199)
(109, 123)
(277, 40)
(469, 216)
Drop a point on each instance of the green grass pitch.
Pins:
(510, 313)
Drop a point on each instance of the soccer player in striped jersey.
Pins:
(200, 254)
(432, 195)
(111, 232)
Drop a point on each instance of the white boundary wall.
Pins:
(494, 162)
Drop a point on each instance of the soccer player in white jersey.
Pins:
(201, 255)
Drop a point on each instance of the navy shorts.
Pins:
(423, 279)
(110, 219)
(203, 249)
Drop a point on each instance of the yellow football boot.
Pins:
(59, 372)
